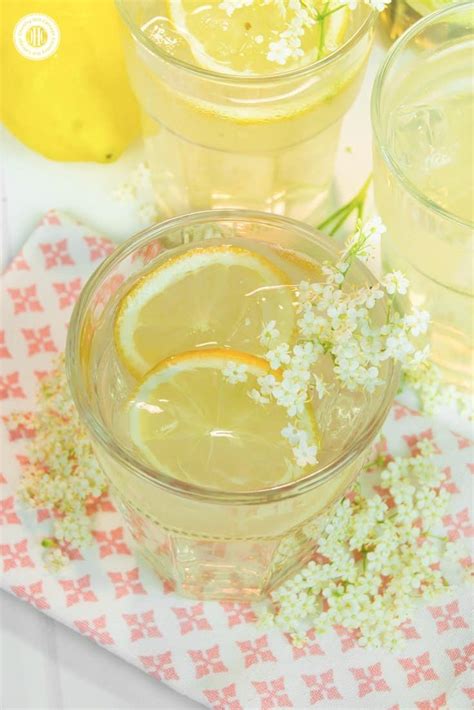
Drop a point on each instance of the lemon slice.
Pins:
(190, 422)
(216, 296)
(239, 44)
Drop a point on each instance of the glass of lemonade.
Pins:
(422, 115)
(157, 344)
(225, 127)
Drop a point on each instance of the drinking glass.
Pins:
(217, 140)
(212, 543)
(422, 117)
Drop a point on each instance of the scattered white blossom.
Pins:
(304, 451)
(378, 5)
(425, 380)
(258, 397)
(235, 372)
(279, 356)
(230, 6)
(381, 562)
(53, 558)
(269, 334)
(61, 473)
(395, 282)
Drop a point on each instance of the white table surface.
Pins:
(44, 665)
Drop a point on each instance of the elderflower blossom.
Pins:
(299, 16)
(336, 323)
(288, 44)
(258, 397)
(62, 472)
(378, 5)
(425, 380)
(304, 452)
(279, 356)
(269, 333)
(234, 372)
(395, 282)
(54, 559)
(230, 6)
(381, 563)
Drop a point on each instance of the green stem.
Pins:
(335, 9)
(335, 220)
(389, 309)
(321, 19)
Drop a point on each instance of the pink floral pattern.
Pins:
(78, 590)
(207, 661)
(370, 680)
(321, 687)
(142, 625)
(418, 669)
(448, 617)
(256, 651)
(160, 666)
(33, 594)
(212, 651)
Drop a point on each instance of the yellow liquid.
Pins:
(225, 548)
(430, 135)
(239, 304)
(399, 15)
(268, 145)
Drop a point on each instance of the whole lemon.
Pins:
(76, 104)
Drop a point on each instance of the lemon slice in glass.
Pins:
(215, 296)
(239, 44)
(189, 421)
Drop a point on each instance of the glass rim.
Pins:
(102, 435)
(368, 21)
(378, 125)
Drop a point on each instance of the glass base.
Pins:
(234, 570)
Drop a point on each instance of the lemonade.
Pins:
(224, 126)
(166, 353)
(424, 181)
(163, 349)
(400, 14)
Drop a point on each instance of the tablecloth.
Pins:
(213, 652)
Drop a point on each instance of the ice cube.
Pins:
(420, 137)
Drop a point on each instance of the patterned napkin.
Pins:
(212, 652)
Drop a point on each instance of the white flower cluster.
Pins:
(433, 393)
(234, 372)
(300, 15)
(62, 473)
(288, 45)
(230, 6)
(340, 322)
(380, 563)
(304, 452)
(378, 5)
(290, 384)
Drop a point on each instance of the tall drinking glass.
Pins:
(216, 140)
(214, 543)
(422, 115)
